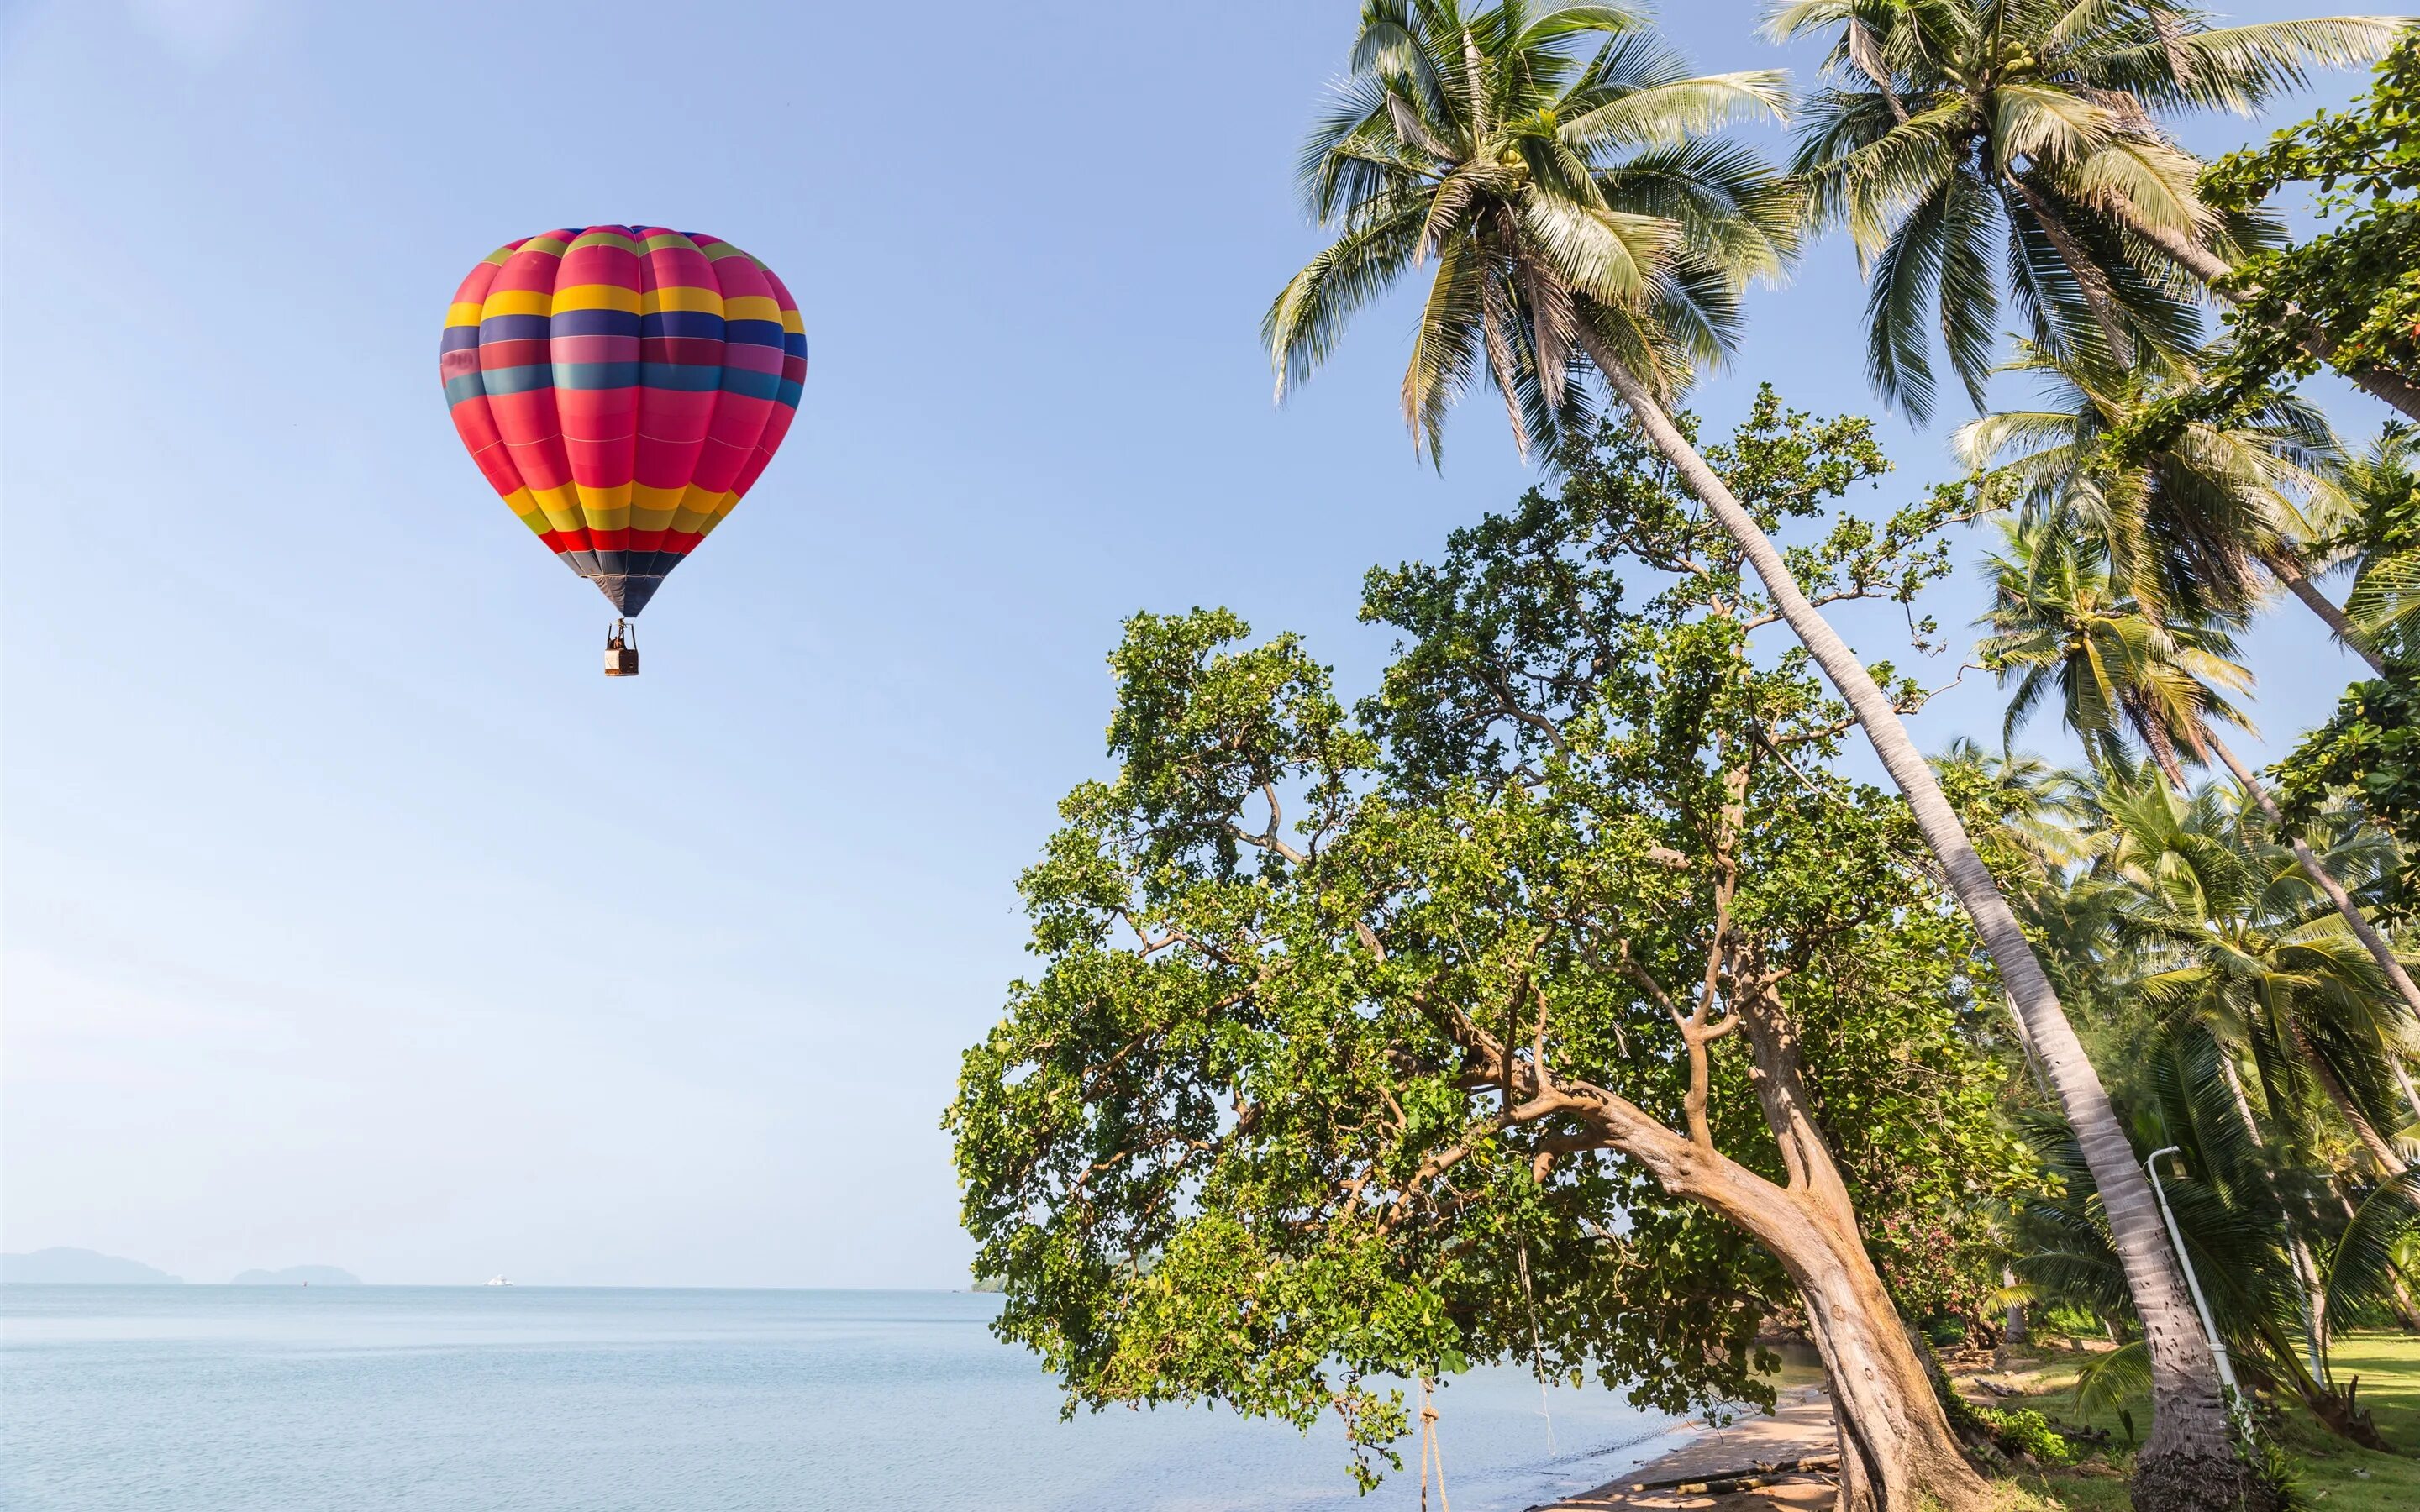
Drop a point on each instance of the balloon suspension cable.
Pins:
(1537, 1349)
(1432, 1453)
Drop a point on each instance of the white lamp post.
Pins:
(2201, 1305)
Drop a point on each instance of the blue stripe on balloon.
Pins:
(791, 390)
(595, 323)
(681, 377)
(681, 323)
(518, 380)
(753, 385)
(469, 386)
(755, 333)
(794, 343)
(459, 338)
(513, 328)
(592, 376)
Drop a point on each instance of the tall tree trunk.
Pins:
(2290, 572)
(2189, 1461)
(2088, 276)
(2210, 268)
(2325, 881)
(2380, 1152)
(2306, 1270)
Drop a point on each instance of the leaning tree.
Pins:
(1579, 211)
(1563, 1004)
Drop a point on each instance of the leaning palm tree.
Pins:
(2060, 623)
(2208, 517)
(1950, 127)
(2240, 942)
(1557, 174)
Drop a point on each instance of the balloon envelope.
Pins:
(622, 387)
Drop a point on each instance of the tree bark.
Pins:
(2306, 1270)
(2325, 881)
(2290, 572)
(2210, 268)
(2088, 277)
(1896, 1446)
(2189, 1460)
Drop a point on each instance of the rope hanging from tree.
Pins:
(1431, 1453)
(1537, 1349)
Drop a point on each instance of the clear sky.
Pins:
(350, 916)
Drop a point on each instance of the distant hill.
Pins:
(80, 1268)
(299, 1275)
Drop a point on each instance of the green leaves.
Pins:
(1947, 125)
(1264, 1126)
(1573, 205)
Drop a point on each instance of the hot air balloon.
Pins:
(622, 387)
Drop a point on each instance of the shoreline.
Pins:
(1800, 1424)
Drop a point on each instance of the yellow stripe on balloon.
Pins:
(793, 323)
(605, 238)
(652, 508)
(751, 307)
(463, 315)
(680, 297)
(595, 297)
(525, 509)
(561, 506)
(606, 509)
(518, 302)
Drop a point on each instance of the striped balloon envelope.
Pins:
(622, 387)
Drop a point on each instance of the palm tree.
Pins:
(2245, 945)
(1570, 204)
(2383, 484)
(2059, 622)
(2205, 516)
(1949, 126)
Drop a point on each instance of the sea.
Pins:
(205, 1398)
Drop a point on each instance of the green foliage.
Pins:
(2367, 752)
(2021, 1431)
(1342, 1017)
(1562, 181)
(2358, 281)
(1958, 137)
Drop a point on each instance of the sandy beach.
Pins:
(1799, 1426)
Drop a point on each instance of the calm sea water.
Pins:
(534, 1399)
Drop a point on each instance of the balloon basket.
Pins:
(622, 650)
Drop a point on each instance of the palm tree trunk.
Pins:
(2189, 1460)
(2388, 1161)
(2306, 1270)
(2325, 881)
(2088, 277)
(2163, 750)
(2290, 572)
(2210, 268)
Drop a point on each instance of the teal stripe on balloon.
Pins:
(518, 380)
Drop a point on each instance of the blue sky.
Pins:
(350, 916)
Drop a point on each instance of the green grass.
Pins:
(2335, 1476)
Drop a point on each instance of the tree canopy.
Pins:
(1364, 1038)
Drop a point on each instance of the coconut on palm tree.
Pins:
(1558, 176)
(1954, 134)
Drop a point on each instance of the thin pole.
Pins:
(2201, 1304)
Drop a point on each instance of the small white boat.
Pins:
(498, 1281)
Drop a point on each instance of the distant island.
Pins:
(80, 1268)
(299, 1275)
